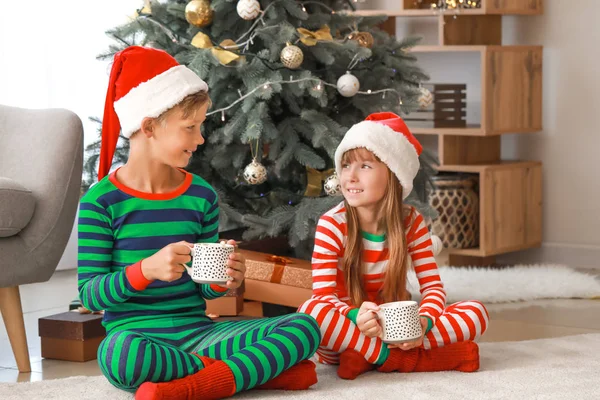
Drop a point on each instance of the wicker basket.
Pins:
(457, 204)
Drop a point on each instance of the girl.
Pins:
(364, 248)
(136, 229)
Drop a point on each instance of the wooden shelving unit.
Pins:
(510, 192)
(413, 8)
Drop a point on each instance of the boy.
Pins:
(138, 225)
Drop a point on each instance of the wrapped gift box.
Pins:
(71, 336)
(278, 280)
(231, 304)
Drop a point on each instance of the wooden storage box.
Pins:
(230, 305)
(71, 336)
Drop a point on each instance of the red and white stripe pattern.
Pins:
(339, 333)
(330, 301)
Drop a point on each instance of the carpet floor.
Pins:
(558, 368)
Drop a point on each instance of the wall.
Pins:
(48, 59)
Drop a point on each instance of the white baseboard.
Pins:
(573, 255)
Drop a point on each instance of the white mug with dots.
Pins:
(400, 321)
(209, 263)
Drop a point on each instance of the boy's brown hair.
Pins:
(188, 106)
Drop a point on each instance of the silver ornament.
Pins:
(255, 173)
(248, 9)
(292, 57)
(425, 98)
(348, 85)
(332, 185)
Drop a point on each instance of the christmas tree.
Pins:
(287, 78)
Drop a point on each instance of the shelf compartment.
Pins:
(511, 90)
(510, 206)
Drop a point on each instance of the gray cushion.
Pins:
(16, 207)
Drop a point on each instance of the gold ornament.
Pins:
(310, 38)
(199, 13)
(202, 41)
(364, 39)
(292, 56)
(314, 181)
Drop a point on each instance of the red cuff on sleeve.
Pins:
(136, 277)
(217, 288)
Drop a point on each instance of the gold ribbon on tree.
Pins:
(314, 181)
(202, 41)
(310, 38)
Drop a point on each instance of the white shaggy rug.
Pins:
(518, 283)
(560, 368)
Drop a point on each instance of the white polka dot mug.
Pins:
(400, 321)
(209, 263)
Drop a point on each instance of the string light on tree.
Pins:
(348, 85)
(199, 13)
(248, 9)
(291, 56)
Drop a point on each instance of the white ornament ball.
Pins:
(348, 85)
(255, 173)
(292, 56)
(437, 245)
(425, 98)
(332, 185)
(248, 9)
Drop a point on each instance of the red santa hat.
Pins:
(144, 82)
(386, 135)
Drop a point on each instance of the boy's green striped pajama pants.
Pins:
(255, 350)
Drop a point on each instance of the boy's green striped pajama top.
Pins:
(154, 328)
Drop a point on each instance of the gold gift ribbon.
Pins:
(202, 41)
(279, 267)
(314, 181)
(310, 38)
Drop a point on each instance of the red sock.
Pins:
(353, 364)
(215, 381)
(462, 356)
(299, 377)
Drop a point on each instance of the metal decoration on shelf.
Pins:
(457, 204)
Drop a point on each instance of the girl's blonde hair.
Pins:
(391, 219)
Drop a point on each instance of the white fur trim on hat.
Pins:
(391, 147)
(153, 97)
